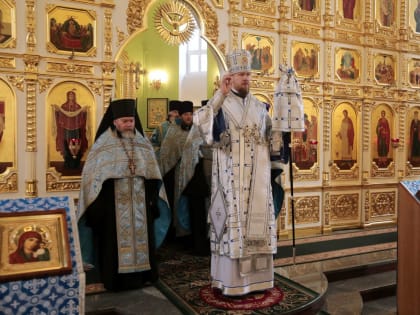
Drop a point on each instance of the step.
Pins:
(383, 306)
(360, 270)
(353, 293)
(350, 282)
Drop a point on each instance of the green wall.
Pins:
(148, 48)
(153, 53)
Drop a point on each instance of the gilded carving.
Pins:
(31, 62)
(6, 62)
(401, 113)
(44, 84)
(260, 6)
(31, 143)
(366, 206)
(383, 204)
(377, 172)
(8, 182)
(338, 174)
(348, 37)
(329, 71)
(120, 36)
(55, 184)
(327, 212)
(31, 189)
(30, 25)
(218, 3)
(309, 88)
(174, 23)
(209, 17)
(306, 30)
(344, 207)
(95, 86)
(70, 68)
(107, 69)
(306, 175)
(348, 91)
(366, 125)
(17, 81)
(284, 52)
(283, 9)
(307, 210)
(135, 13)
(326, 130)
(262, 84)
(108, 35)
(259, 22)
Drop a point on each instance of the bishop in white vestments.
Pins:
(242, 214)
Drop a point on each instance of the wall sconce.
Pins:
(157, 78)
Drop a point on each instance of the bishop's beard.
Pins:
(242, 92)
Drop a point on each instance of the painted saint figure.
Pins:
(2, 118)
(387, 12)
(29, 249)
(415, 138)
(3, 36)
(348, 8)
(307, 5)
(346, 134)
(417, 16)
(383, 133)
(71, 128)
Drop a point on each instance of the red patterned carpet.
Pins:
(184, 280)
(252, 301)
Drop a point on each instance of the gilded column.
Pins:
(108, 35)
(30, 25)
(31, 79)
(234, 20)
(326, 136)
(326, 214)
(403, 19)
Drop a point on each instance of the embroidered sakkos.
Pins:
(241, 171)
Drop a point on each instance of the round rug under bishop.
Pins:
(250, 301)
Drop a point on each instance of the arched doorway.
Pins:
(146, 53)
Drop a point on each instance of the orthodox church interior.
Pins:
(354, 171)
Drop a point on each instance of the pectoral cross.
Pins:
(132, 167)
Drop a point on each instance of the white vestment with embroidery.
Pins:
(243, 225)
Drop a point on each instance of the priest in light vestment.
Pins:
(242, 212)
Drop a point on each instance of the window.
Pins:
(196, 54)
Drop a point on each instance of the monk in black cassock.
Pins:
(123, 213)
(181, 165)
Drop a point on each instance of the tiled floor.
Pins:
(342, 297)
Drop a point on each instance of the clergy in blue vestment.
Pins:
(123, 213)
(181, 165)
